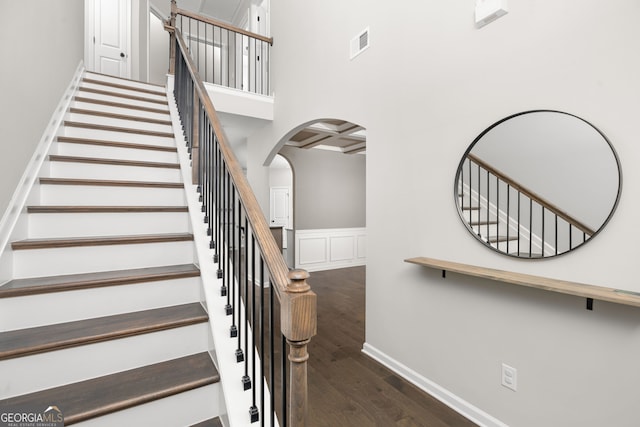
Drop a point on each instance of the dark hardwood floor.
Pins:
(347, 388)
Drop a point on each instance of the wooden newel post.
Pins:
(299, 324)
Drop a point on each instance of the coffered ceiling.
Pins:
(331, 134)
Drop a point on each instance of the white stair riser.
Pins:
(51, 262)
(121, 100)
(130, 83)
(108, 152)
(123, 91)
(50, 225)
(183, 409)
(119, 110)
(58, 367)
(89, 195)
(58, 307)
(58, 169)
(108, 121)
(78, 132)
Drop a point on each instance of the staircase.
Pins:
(103, 316)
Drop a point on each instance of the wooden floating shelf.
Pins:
(591, 292)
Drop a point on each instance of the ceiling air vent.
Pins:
(359, 43)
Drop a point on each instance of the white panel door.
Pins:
(111, 35)
(279, 210)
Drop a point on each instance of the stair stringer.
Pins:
(13, 225)
(236, 400)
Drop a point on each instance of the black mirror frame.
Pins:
(484, 132)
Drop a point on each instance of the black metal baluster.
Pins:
(225, 237)
(253, 410)
(498, 212)
(530, 225)
(542, 243)
(262, 356)
(508, 214)
(556, 233)
(284, 381)
(519, 235)
(488, 209)
(272, 362)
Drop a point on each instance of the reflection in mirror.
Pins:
(538, 184)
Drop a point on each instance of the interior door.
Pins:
(279, 216)
(111, 37)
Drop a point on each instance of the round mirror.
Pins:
(538, 184)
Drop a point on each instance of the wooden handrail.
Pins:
(298, 306)
(538, 199)
(224, 25)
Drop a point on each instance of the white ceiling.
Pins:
(231, 11)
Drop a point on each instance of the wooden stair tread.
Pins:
(41, 339)
(75, 110)
(100, 396)
(108, 183)
(211, 422)
(102, 142)
(121, 105)
(123, 79)
(498, 239)
(93, 126)
(115, 162)
(483, 222)
(123, 86)
(123, 95)
(105, 209)
(70, 282)
(65, 242)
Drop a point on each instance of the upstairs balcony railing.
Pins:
(271, 310)
(511, 218)
(223, 54)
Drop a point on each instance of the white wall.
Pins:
(427, 86)
(329, 188)
(37, 66)
(158, 51)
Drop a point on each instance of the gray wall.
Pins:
(37, 66)
(329, 189)
(427, 86)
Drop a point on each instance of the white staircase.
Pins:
(103, 316)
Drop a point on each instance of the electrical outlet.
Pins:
(509, 377)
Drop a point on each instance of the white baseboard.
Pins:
(456, 403)
(26, 183)
(327, 249)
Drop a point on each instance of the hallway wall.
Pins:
(427, 86)
(37, 67)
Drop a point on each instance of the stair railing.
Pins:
(223, 54)
(271, 310)
(511, 218)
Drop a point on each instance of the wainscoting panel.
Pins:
(327, 249)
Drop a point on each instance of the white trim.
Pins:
(18, 200)
(453, 401)
(330, 248)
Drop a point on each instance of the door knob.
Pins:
(121, 54)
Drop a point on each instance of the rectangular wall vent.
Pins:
(359, 43)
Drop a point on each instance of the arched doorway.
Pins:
(328, 157)
(281, 205)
